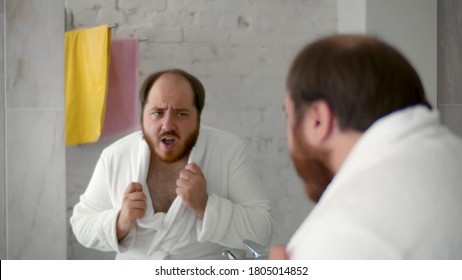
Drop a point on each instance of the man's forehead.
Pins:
(174, 100)
(173, 103)
(171, 89)
(173, 78)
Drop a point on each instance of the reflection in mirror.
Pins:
(240, 51)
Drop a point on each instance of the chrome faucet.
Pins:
(231, 254)
(257, 252)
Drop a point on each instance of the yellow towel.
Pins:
(86, 79)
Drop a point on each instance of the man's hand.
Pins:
(278, 252)
(133, 207)
(192, 189)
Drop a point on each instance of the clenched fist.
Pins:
(133, 207)
(192, 189)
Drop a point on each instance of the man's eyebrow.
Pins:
(157, 108)
(181, 110)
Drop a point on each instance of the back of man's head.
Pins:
(360, 77)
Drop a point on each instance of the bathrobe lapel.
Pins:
(178, 219)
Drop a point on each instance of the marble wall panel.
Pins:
(34, 42)
(2, 142)
(36, 184)
(449, 52)
(34, 129)
(450, 64)
(451, 114)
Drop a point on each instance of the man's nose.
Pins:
(168, 121)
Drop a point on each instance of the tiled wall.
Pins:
(450, 63)
(32, 118)
(241, 50)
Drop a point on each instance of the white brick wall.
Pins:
(241, 51)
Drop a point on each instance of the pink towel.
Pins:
(122, 111)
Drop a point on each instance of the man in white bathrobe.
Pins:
(175, 190)
(386, 175)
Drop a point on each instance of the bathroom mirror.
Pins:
(241, 51)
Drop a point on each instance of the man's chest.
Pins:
(162, 189)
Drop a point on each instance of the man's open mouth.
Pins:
(168, 141)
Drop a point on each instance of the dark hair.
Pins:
(360, 77)
(197, 87)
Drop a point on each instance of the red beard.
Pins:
(311, 167)
(191, 140)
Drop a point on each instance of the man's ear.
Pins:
(318, 123)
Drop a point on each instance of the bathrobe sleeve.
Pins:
(94, 217)
(340, 240)
(245, 213)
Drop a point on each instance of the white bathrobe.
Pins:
(237, 208)
(398, 195)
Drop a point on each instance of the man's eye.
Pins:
(182, 114)
(156, 113)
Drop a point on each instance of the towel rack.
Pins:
(115, 25)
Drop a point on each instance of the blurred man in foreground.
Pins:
(386, 175)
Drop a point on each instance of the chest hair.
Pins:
(162, 187)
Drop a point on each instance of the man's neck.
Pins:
(173, 167)
(341, 148)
